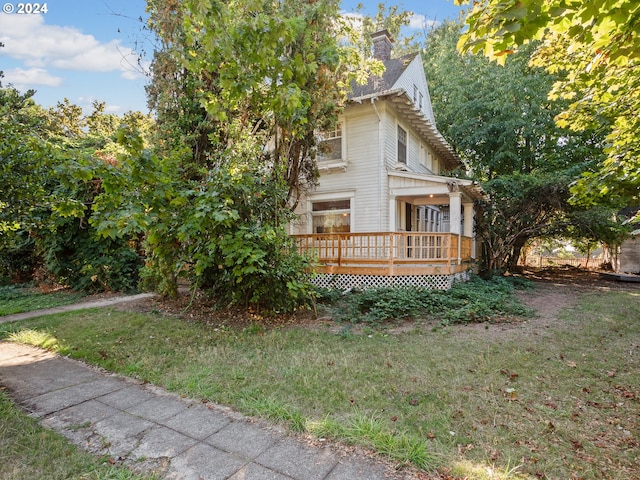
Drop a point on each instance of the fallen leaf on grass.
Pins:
(511, 375)
(576, 444)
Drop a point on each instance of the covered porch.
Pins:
(424, 234)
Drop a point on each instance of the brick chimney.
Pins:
(382, 45)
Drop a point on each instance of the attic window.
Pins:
(330, 144)
(417, 97)
(402, 145)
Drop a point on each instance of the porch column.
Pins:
(393, 209)
(455, 214)
(469, 215)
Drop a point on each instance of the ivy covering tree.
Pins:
(501, 122)
(595, 46)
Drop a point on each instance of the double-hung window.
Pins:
(402, 145)
(330, 144)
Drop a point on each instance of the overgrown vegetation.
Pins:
(29, 451)
(475, 301)
(593, 49)
(49, 160)
(514, 400)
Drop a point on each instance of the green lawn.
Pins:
(18, 299)
(481, 401)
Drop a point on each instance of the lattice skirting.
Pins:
(343, 281)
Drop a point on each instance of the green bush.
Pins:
(477, 300)
(260, 267)
(18, 260)
(77, 257)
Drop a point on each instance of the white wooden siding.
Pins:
(360, 181)
(370, 156)
(414, 75)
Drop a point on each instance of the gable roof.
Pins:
(393, 69)
(385, 87)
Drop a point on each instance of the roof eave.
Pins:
(400, 98)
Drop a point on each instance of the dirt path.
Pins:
(556, 289)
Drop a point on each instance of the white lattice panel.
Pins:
(343, 282)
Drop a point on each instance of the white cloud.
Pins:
(420, 22)
(24, 79)
(29, 40)
(113, 109)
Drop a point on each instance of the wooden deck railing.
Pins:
(388, 253)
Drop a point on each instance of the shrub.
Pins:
(474, 301)
(77, 257)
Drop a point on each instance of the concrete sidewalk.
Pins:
(105, 302)
(152, 429)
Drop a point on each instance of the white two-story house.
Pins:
(384, 212)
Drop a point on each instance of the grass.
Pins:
(20, 298)
(484, 402)
(28, 451)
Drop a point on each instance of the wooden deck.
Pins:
(387, 253)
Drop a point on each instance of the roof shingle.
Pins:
(378, 84)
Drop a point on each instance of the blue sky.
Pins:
(87, 50)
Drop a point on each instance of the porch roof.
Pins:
(403, 183)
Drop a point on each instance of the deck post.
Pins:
(455, 219)
(391, 242)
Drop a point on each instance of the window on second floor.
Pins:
(426, 157)
(402, 145)
(330, 144)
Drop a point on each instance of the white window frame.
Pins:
(332, 135)
(402, 132)
(329, 197)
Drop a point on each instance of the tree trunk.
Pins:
(512, 264)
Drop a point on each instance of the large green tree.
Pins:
(24, 158)
(595, 45)
(501, 122)
(274, 74)
(240, 90)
